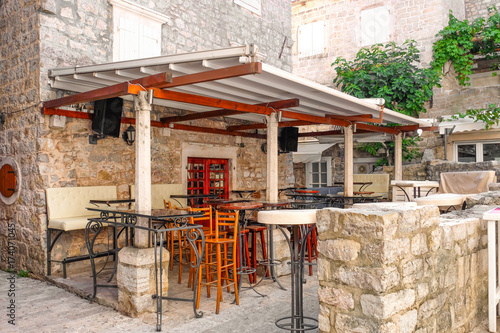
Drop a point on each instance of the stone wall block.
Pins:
(378, 280)
(419, 244)
(431, 306)
(383, 307)
(407, 322)
(340, 249)
(336, 297)
(350, 324)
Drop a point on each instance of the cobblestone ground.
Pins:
(43, 307)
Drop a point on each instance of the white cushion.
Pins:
(287, 217)
(160, 192)
(69, 223)
(68, 202)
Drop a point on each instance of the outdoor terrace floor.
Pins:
(43, 307)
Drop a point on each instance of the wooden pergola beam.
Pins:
(374, 128)
(212, 75)
(221, 113)
(262, 126)
(314, 119)
(205, 101)
(115, 90)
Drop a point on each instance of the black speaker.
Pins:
(107, 116)
(289, 139)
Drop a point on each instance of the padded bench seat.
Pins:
(67, 211)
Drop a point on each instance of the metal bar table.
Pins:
(294, 219)
(178, 219)
(192, 197)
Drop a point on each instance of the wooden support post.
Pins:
(272, 157)
(398, 156)
(142, 165)
(348, 161)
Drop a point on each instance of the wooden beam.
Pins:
(205, 101)
(212, 75)
(210, 130)
(199, 115)
(374, 128)
(262, 125)
(221, 113)
(66, 113)
(115, 90)
(314, 119)
(407, 128)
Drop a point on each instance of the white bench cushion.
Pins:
(69, 223)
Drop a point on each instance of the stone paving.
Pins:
(44, 307)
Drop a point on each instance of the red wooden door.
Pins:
(208, 176)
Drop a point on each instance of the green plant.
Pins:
(490, 115)
(410, 151)
(388, 71)
(460, 40)
(22, 273)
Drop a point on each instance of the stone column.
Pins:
(272, 158)
(348, 161)
(137, 276)
(398, 157)
(142, 164)
(136, 279)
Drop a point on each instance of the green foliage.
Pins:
(388, 71)
(22, 273)
(460, 40)
(490, 116)
(410, 151)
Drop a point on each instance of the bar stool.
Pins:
(255, 230)
(226, 251)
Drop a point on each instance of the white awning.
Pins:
(466, 124)
(271, 85)
(310, 152)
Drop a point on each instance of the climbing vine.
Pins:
(490, 116)
(460, 40)
(388, 71)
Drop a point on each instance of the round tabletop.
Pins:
(287, 216)
(442, 199)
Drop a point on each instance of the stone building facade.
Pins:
(43, 34)
(341, 24)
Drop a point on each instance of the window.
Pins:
(136, 31)
(311, 39)
(375, 26)
(477, 151)
(255, 6)
(319, 174)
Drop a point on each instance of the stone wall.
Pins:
(19, 96)
(52, 152)
(406, 270)
(410, 20)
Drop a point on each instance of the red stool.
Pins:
(254, 231)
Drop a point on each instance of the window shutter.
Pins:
(129, 39)
(375, 26)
